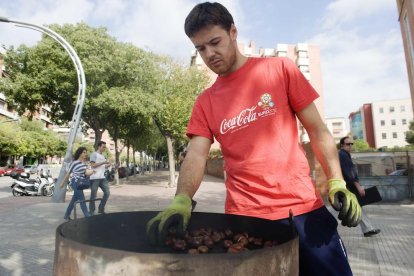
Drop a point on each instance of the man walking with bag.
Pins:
(352, 182)
(99, 163)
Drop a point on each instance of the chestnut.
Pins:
(193, 251)
(216, 237)
(179, 245)
(228, 233)
(208, 241)
(202, 249)
(227, 243)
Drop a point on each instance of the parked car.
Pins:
(402, 172)
(2, 171)
(13, 168)
(32, 169)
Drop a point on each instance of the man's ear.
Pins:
(233, 32)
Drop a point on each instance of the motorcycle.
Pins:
(110, 174)
(22, 185)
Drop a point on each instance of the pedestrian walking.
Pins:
(99, 163)
(350, 173)
(78, 169)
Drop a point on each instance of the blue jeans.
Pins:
(77, 196)
(103, 184)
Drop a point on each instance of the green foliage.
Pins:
(215, 154)
(409, 136)
(360, 145)
(177, 92)
(139, 97)
(29, 139)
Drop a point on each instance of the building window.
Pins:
(402, 108)
(392, 109)
(404, 121)
(384, 135)
(382, 123)
(393, 122)
(394, 135)
(381, 110)
(364, 169)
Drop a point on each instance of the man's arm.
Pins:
(322, 142)
(94, 164)
(178, 213)
(324, 148)
(192, 169)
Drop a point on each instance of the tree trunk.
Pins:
(98, 137)
(127, 162)
(171, 162)
(115, 138)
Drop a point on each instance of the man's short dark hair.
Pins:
(342, 141)
(207, 14)
(100, 143)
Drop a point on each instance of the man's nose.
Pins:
(209, 52)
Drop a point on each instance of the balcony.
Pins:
(302, 61)
(301, 47)
(268, 52)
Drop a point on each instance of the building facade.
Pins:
(406, 18)
(337, 127)
(383, 123)
(391, 122)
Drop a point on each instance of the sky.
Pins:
(362, 55)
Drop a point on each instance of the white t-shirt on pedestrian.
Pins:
(96, 157)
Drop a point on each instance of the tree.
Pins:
(409, 136)
(29, 139)
(44, 74)
(179, 87)
(8, 141)
(360, 145)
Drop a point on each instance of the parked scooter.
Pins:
(110, 174)
(22, 185)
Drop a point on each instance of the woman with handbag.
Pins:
(79, 180)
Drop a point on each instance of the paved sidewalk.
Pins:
(28, 225)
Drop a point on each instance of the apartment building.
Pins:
(337, 127)
(382, 123)
(306, 57)
(406, 18)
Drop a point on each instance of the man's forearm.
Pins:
(191, 174)
(94, 165)
(325, 151)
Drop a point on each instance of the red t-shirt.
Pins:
(251, 113)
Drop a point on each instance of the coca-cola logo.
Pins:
(245, 117)
(248, 115)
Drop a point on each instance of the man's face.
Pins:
(348, 143)
(102, 148)
(217, 48)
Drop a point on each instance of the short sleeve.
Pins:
(300, 91)
(198, 124)
(92, 158)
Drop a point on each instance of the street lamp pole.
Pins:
(59, 194)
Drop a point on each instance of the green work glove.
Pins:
(176, 216)
(345, 202)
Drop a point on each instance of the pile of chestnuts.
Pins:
(205, 240)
